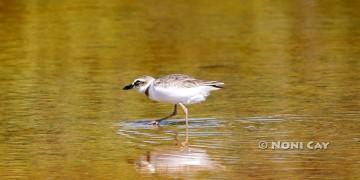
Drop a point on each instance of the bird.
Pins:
(176, 89)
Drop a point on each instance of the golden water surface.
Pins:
(291, 69)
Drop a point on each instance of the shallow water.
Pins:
(291, 70)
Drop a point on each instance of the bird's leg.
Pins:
(186, 142)
(157, 122)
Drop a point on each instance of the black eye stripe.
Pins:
(137, 82)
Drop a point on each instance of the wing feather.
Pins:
(184, 81)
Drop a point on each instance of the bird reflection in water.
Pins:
(176, 159)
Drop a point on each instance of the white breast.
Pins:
(175, 95)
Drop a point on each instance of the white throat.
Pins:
(144, 88)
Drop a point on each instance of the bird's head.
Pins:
(140, 84)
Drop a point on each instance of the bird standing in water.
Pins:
(176, 89)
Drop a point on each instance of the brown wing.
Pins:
(184, 81)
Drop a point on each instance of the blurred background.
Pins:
(291, 70)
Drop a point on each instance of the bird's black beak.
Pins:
(130, 86)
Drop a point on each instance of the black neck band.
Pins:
(147, 91)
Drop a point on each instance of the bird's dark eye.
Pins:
(137, 82)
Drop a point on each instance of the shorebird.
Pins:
(176, 89)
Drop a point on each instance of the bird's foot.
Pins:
(155, 123)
